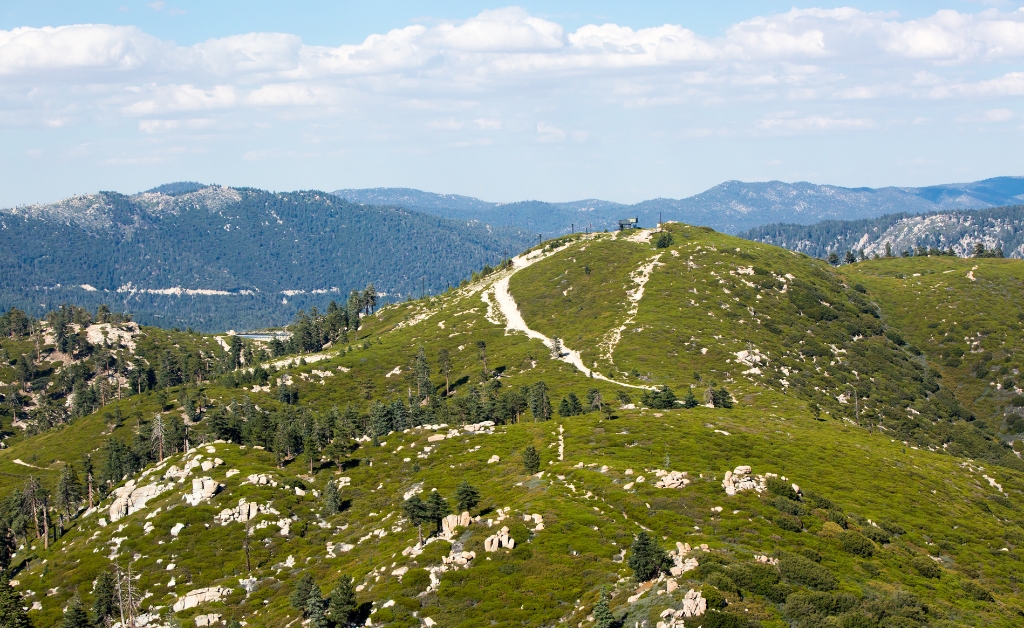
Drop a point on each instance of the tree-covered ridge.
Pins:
(444, 393)
(958, 232)
(219, 258)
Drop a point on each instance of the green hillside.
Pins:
(678, 360)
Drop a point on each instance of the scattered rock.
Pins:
(131, 498)
(493, 459)
(671, 479)
(497, 541)
(202, 489)
(199, 596)
(741, 479)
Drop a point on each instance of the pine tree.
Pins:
(540, 403)
(603, 617)
(75, 616)
(69, 490)
(438, 508)
(103, 604)
(466, 496)
(482, 348)
(88, 471)
(316, 609)
(689, 400)
(158, 433)
(444, 365)
(531, 459)
(342, 606)
(417, 512)
(12, 612)
(332, 499)
(421, 371)
(300, 594)
(646, 558)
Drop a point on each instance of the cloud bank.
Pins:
(94, 69)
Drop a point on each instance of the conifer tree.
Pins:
(646, 558)
(466, 496)
(303, 588)
(531, 459)
(75, 616)
(316, 609)
(438, 508)
(418, 513)
(104, 604)
(444, 365)
(332, 498)
(12, 612)
(342, 607)
(69, 490)
(603, 617)
(689, 400)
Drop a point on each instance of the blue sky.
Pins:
(548, 100)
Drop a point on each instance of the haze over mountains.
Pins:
(731, 207)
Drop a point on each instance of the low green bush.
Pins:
(803, 571)
(857, 544)
(788, 523)
(781, 488)
(976, 591)
(789, 506)
(892, 528)
(926, 567)
(878, 535)
(717, 619)
(714, 597)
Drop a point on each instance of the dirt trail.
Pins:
(514, 319)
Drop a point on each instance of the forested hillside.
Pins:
(649, 427)
(214, 258)
(957, 231)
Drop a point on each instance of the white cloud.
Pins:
(509, 63)
(550, 133)
(793, 124)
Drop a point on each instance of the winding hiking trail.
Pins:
(514, 319)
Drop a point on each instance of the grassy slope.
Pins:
(938, 307)
(841, 463)
(964, 521)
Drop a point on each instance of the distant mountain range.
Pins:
(732, 207)
(212, 257)
(1001, 227)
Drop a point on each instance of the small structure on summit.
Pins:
(628, 223)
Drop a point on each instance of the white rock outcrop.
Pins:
(243, 512)
(261, 479)
(450, 523)
(193, 599)
(497, 541)
(202, 489)
(681, 563)
(671, 479)
(131, 498)
(742, 479)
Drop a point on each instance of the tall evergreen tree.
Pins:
(316, 609)
(69, 490)
(75, 616)
(12, 612)
(603, 617)
(438, 508)
(332, 498)
(444, 365)
(531, 459)
(646, 558)
(104, 602)
(304, 585)
(342, 607)
(418, 513)
(466, 496)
